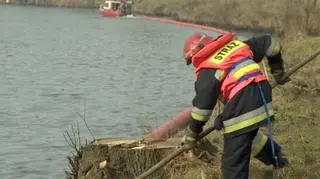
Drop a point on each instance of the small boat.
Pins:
(116, 8)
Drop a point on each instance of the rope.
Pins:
(269, 127)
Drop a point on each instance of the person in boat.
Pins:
(228, 70)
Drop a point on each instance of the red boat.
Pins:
(116, 8)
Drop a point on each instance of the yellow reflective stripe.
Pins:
(199, 117)
(220, 74)
(225, 51)
(201, 112)
(274, 48)
(239, 73)
(247, 115)
(256, 148)
(248, 122)
(242, 64)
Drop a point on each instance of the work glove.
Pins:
(189, 140)
(280, 77)
(218, 123)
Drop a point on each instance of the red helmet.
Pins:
(194, 44)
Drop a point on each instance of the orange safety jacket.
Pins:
(234, 63)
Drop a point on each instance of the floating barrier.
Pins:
(180, 120)
(185, 24)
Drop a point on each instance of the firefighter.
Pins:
(228, 70)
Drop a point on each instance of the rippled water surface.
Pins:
(54, 63)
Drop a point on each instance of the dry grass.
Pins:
(297, 113)
(297, 106)
(297, 103)
(290, 16)
(73, 139)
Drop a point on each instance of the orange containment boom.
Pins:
(170, 127)
(186, 24)
(180, 120)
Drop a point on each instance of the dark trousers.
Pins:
(236, 155)
(237, 151)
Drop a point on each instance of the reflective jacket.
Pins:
(235, 68)
(237, 73)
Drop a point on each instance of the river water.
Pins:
(54, 63)
(126, 74)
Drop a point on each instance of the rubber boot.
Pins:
(266, 156)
